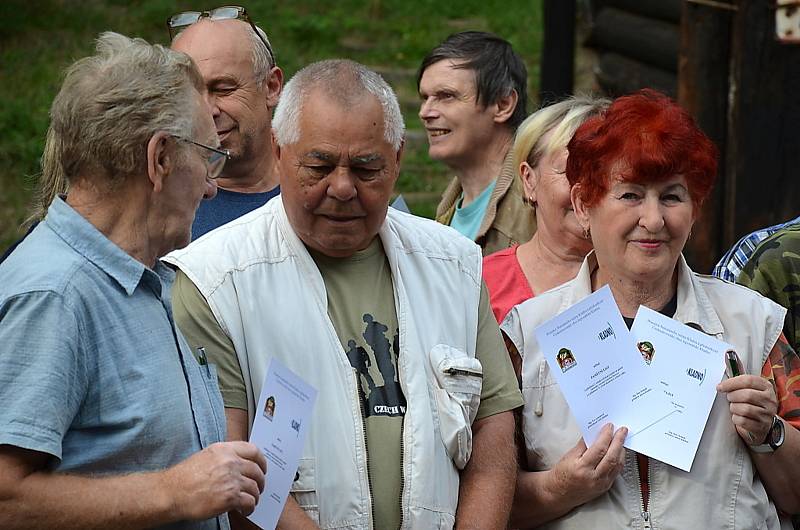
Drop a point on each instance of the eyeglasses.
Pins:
(177, 22)
(216, 159)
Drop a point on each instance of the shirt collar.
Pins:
(694, 306)
(90, 243)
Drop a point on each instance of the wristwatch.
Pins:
(774, 440)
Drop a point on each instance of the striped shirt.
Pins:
(737, 257)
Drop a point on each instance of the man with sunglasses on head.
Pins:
(107, 420)
(243, 84)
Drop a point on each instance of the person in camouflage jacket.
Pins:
(774, 271)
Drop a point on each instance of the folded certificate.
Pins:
(279, 430)
(687, 365)
(598, 368)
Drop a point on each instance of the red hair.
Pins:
(642, 138)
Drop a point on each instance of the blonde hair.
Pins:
(562, 118)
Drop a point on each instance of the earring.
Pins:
(587, 233)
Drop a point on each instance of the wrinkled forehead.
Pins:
(449, 71)
(354, 123)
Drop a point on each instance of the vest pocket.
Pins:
(457, 392)
(304, 488)
(545, 409)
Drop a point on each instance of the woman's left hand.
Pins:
(753, 405)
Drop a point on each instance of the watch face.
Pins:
(776, 434)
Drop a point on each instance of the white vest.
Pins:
(269, 297)
(723, 490)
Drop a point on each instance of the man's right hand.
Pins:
(585, 473)
(227, 476)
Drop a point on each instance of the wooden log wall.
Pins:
(722, 61)
(637, 42)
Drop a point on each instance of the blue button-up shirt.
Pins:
(93, 370)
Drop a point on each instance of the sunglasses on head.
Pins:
(176, 23)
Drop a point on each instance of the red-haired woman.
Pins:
(639, 174)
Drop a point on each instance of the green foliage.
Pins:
(39, 38)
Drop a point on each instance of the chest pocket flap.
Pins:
(456, 388)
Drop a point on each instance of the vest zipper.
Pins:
(539, 409)
(402, 474)
(645, 501)
(366, 454)
(400, 379)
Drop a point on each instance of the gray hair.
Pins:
(345, 80)
(563, 118)
(51, 180)
(112, 103)
(263, 61)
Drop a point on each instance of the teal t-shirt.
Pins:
(467, 220)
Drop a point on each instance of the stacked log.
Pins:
(637, 42)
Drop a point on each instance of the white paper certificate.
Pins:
(598, 368)
(688, 364)
(279, 430)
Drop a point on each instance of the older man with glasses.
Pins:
(107, 419)
(243, 84)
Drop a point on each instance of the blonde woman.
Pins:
(557, 249)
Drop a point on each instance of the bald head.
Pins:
(243, 87)
(232, 39)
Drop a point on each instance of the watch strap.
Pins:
(770, 445)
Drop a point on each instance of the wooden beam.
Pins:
(703, 91)
(667, 10)
(619, 75)
(763, 152)
(647, 40)
(558, 51)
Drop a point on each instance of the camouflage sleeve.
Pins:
(774, 271)
(782, 367)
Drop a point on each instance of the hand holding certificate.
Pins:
(279, 430)
(599, 369)
(687, 365)
(659, 379)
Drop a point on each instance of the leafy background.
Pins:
(39, 38)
